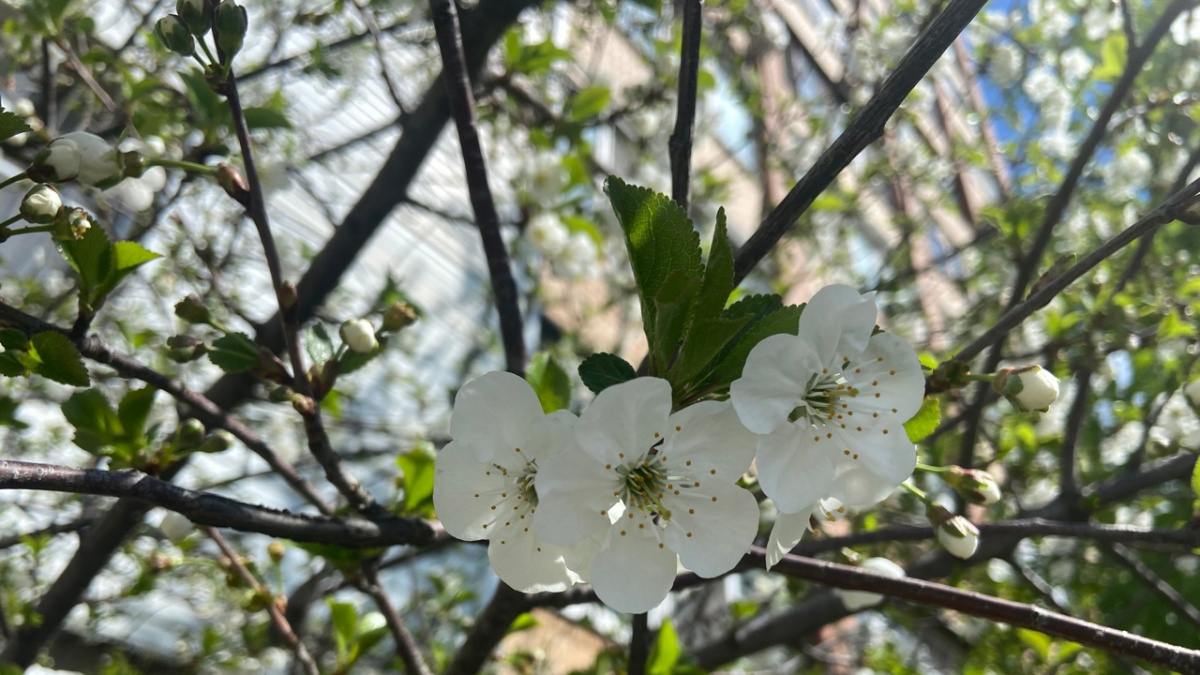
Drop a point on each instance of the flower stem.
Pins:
(930, 469)
(987, 377)
(918, 492)
(29, 230)
(9, 181)
(186, 166)
(204, 46)
(10, 221)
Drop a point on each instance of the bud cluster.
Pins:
(182, 31)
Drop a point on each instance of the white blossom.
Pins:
(959, 537)
(359, 336)
(547, 234)
(41, 204)
(545, 178)
(660, 488)
(829, 405)
(81, 156)
(1192, 391)
(1005, 66)
(856, 600)
(578, 258)
(176, 526)
(1028, 388)
(488, 481)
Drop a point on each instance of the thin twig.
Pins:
(639, 645)
(406, 646)
(1068, 486)
(462, 107)
(1160, 585)
(490, 627)
(277, 618)
(680, 143)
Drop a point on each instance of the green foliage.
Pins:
(101, 264)
(925, 421)
(550, 381)
(666, 651)
(119, 434)
(234, 353)
(417, 468)
(11, 125)
(588, 103)
(601, 371)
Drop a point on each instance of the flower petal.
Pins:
(625, 420)
(888, 378)
(712, 527)
(773, 382)
(492, 414)
(549, 435)
(575, 497)
(795, 470)
(635, 571)
(838, 321)
(789, 529)
(860, 487)
(885, 452)
(466, 492)
(527, 563)
(710, 439)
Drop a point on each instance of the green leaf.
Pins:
(587, 104)
(673, 306)
(550, 381)
(523, 622)
(344, 618)
(318, 344)
(1196, 479)
(265, 118)
(12, 339)
(601, 371)
(768, 316)
(661, 242)
(418, 466)
(128, 256)
(666, 651)
(11, 124)
(1112, 58)
(352, 360)
(96, 425)
(92, 257)
(11, 366)
(925, 421)
(234, 353)
(134, 409)
(59, 359)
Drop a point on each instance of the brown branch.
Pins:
(205, 508)
(680, 143)
(406, 646)
(278, 620)
(462, 106)
(490, 627)
(864, 129)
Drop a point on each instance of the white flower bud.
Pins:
(79, 156)
(856, 600)
(959, 537)
(80, 222)
(176, 526)
(547, 234)
(977, 487)
(1028, 387)
(1192, 391)
(41, 204)
(359, 336)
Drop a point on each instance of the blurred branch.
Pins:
(462, 106)
(205, 508)
(1067, 484)
(864, 129)
(1156, 582)
(406, 646)
(680, 143)
(490, 627)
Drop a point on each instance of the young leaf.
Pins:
(1196, 479)
(660, 239)
(134, 409)
(550, 381)
(925, 421)
(265, 118)
(92, 257)
(96, 425)
(234, 353)
(11, 124)
(601, 371)
(318, 344)
(666, 651)
(352, 360)
(58, 359)
(344, 617)
(588, 103)
(417, 466)
(768, 316)
(673, 306)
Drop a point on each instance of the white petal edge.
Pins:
(789, 529)
(620, 425)
(793, 470)
(773, 382)
(710, 436)
(458, 478)
(575, 497)
(633, 573)
(838, 319)
(712, 527)
(492, 413)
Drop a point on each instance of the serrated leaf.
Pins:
(550, 381)
(768, 316)
(666, 651)
(673, 306)
(234, 353)
(96, 425)
(58, 359)
(265, 118)
(92, 257)
(661, 242)
(129, 255)
(601, 371)
(11, 124)
(925, 421)
(344, 618)
(12, 339)
(134, 409)
(11, 366)
(588, 103)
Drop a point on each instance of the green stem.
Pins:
(969, 377)
(930, 469)
(204, 46)
(920, 494)
(9, 181)
(10, 221)
(201, 61)
(180, 164)
(30, 230)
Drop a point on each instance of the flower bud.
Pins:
(1028, 387)
(191, 433)
(275, 550)
(71, 224)
(288, 295)
(41, 204)
(956, 534)
(80, 156)
(192, 310)
(359, 336)
(229, 28)
(194, 14)
(160, 562)
(977, 487)
(175, 36)
(399, 316)
(176, 526)
(218, 441)
(856, 600)
(231, 180)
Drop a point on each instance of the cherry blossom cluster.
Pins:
(627, 492)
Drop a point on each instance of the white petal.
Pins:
(525, 562)
(466, 493)
(710, 437)
(575, 497)
(889, 380)
(773, 382)
(635, 571)
(789, 529)
(860, 487)
(712, 526)
(492, 414)
(838, 321)
(625, 420)
(795, 470)
(886, 452)
(549, 435)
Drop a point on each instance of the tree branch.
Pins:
(680, 143)
(490, 627)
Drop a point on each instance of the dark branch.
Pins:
(680, 144)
